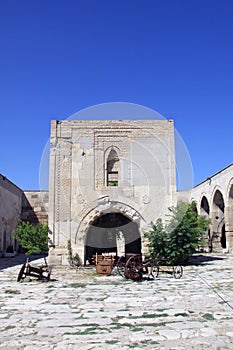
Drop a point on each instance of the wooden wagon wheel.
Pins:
(177, 271)
(154, 271)
(134, 268)
(121, 266)
(48, 275)
(22, 273)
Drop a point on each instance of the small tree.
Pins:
(157, 240)
(34, 239)
(186, 230)
(181, 237)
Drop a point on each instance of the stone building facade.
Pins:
(10, 212)
(108, 180)
(214, 198)
(15, 204)
(35, 206)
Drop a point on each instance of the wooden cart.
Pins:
(39, 272)
(136, 268)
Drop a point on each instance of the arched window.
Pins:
(112, 168)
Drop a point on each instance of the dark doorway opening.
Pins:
(223, 238)
(101, 237)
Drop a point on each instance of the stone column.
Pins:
(52, 180)
(229, 227)
(215, 235)
(81, 252)
(120, 240)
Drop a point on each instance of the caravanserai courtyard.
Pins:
(82, 310)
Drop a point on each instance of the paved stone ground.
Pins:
(81, 310)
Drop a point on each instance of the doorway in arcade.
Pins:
(112, 233)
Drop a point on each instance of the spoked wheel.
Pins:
(48, 275)
(121, 266)
(22, 273)
(154, 271)
(177, 271)
(134, 268)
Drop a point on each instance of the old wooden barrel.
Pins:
(104, 267)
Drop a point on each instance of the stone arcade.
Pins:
(214, 198)
(108, 180)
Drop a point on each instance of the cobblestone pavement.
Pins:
(81, 310)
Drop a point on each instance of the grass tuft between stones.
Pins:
(12, 291)
(208, 317)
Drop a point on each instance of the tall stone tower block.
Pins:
(108, 180)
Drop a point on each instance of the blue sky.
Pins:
(60, 56)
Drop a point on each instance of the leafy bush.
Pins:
(181, 237)
(34, 239)
(157, 240)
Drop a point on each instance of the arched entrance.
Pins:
(205, 211)
(218, 222)
(104, 232)
(229, 217)
(205, 208)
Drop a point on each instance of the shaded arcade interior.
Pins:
(112, 233)
(216, 235)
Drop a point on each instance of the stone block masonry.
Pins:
(35, 206)
(15, 204)
(10, 212)
(104, 173)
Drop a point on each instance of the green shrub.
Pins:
(32, 238)
(181, 237)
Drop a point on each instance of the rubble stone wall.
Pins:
(10, 212)
(35, 206)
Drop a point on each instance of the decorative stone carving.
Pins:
(79, 190)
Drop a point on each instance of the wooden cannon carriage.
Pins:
(136, 268)
(41, 272)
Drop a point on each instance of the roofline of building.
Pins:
(210, 177)
(4, 178)
(9, 181)
(35, 190)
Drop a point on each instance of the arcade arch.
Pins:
(205, 208)
(218, 221)
(229, 216)
(103, 225)
(231, 194)
(205, 211)
(108, 232)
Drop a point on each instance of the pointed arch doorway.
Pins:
(107, 234)
(218, 221)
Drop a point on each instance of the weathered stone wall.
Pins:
(15, 204)
(214, 198)
(78, 192)
(35, 206)
(10, 212)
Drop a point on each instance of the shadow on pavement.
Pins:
(203, 259)
(17, 260)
